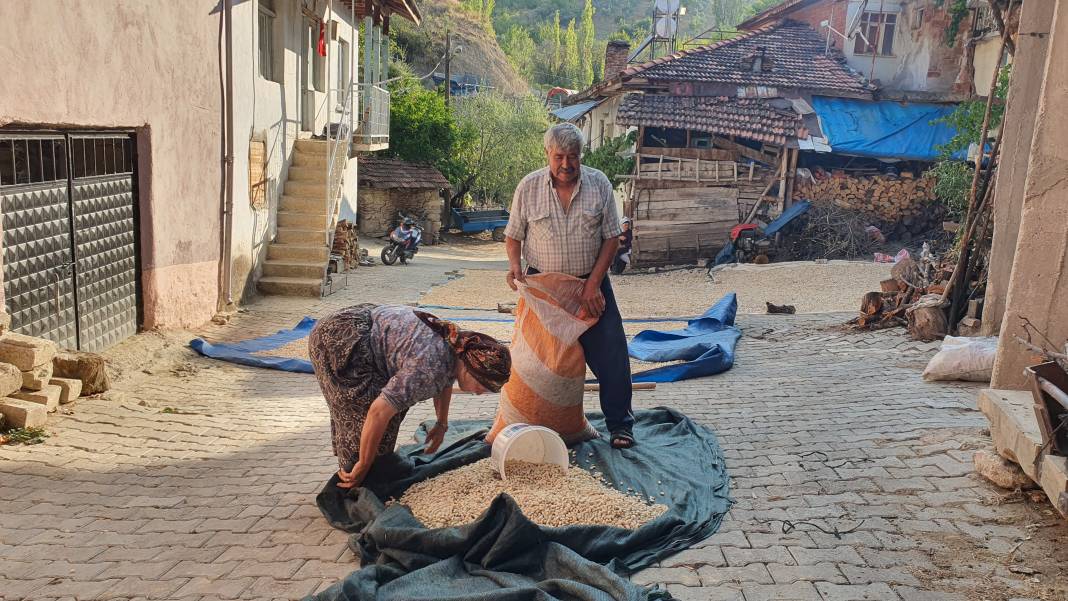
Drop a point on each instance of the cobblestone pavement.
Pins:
(196, 479)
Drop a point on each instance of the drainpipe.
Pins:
(228, 163)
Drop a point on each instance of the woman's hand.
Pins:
(435, 436)
(354, 478)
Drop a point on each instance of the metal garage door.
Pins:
(69, 229)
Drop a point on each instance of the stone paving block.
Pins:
(72, 389)
(260, 554)
(141, 588)
(862, 575)
(81, 589)
(837, 555)
(265, 588)
(330, 570)
(684, 576)
(19, 413)
(20, 589)
(225, 588)
(281, 570)
(10, 379)
(190, 569)
(706, 593)
(810, 573)
(147, 570)
(870, 592)
(741, 557)
(47, 396)
(707, 556)
(25, 352)
(800, 591)
(752, 573)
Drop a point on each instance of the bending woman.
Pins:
(375, 362)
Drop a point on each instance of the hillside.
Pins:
(481, 56)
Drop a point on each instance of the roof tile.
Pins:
(752, 118)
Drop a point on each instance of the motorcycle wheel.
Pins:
(389, 255)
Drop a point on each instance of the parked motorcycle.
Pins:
(404, 242)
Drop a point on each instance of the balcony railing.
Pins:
(372, 126)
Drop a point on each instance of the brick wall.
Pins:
(615, 58)
(828, 10)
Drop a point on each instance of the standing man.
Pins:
(564, 220)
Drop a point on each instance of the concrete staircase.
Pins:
(297, 259)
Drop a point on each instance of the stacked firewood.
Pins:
(912, 297)
(347, 243)
(907, 201)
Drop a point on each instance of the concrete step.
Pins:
(281, 286)
(308, 173)
(303, 204)
(306, 221)
(304, 237)
(298, 252)
(319, 147)
(306, 188)
(294, 269)
(303, 159)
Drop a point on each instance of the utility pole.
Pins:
(448, 67)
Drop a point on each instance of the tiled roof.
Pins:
(752, 118)
(793, 58)
(775, 12)
(374, 172)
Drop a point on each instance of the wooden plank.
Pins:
(705, 154)
(743, 150)
(694, 194)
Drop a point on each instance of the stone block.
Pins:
(26, 352)
(37, 378)
(71, 389)
(90, 368)
(48, 396)
(1001, 471)
(10, 379)
(22, 414)
(5, 322)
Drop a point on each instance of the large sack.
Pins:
(548, 365)
(968, 359)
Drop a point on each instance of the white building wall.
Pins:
(274, 111)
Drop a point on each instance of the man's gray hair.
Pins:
(564, 136)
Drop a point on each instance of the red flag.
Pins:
(322, 38)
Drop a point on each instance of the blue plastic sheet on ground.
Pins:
(243, 352)
(503, 556)
(706, 344)
(885, 129)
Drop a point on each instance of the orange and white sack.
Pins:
(548, 365)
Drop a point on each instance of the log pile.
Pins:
(910, 298)
(907, 203)
(347, 243)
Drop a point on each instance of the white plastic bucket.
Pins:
(524, 442)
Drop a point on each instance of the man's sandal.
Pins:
(622, 439)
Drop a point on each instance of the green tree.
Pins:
(520, 49)
(421, 128)
(586, 38)
(607, 156)
(572, 63)
(550, 39)
(504, 144)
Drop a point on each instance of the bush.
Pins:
(607, 159)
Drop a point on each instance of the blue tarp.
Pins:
(243, 352)
(706, 344)
(885, 129)
(787, 216)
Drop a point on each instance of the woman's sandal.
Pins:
(622, 439)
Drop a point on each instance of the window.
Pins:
(267, 18)
(343, 65)
(875, 35)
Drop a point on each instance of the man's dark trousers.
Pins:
(605, 347)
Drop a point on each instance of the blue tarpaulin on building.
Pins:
(885, 129)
